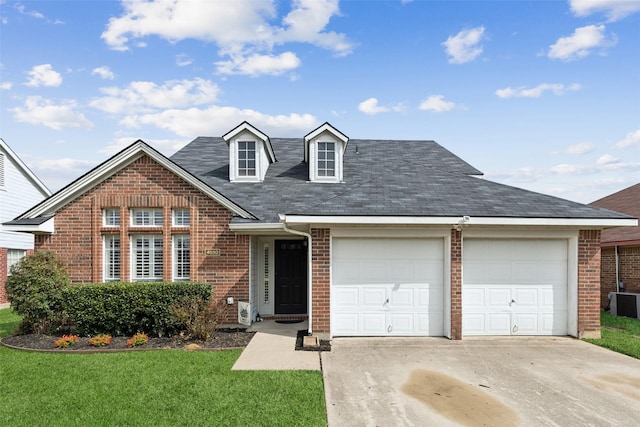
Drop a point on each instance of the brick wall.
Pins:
(589, 284)
(629, 271)
(77, 239)
(456, 285)
(320, 276)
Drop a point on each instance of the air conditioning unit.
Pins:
(625, 304)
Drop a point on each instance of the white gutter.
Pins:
(47, 227)
(468, 220)
(309, 269)
(617, 269)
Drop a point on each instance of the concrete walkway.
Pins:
(273, 348)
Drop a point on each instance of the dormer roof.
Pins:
(246, 126)
(325, 127)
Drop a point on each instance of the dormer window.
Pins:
(323, 152)
(246, 158)
(250, 154)
(326, 159)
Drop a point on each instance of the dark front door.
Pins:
(291, 277)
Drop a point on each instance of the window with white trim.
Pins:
(181, 257)
(146, 258)
(146, 217)
(181, 218)
(111, 217)
(13, 257)
(111, 258)
(246, 158)
(326, 159)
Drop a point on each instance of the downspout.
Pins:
(309, 266)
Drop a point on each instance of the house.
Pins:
(20, 189)
(362, 237)
(620, 253)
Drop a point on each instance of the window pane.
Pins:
(181, 257)
(246, 158)
(147, 217)
(13, 257)
(181, 217)
(111, 257)
(111, 217)
(326, 158)
(147, 257)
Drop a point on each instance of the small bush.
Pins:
(100, 340)
(198, 317)
(137, 340)
(34, 288)
(66, 341)
(123, 309)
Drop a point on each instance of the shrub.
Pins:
(198, 317)
(100, 340)
(66, 341)
(122, 309)
(34, 288)
(137, 340)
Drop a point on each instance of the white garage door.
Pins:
(514, 287)
(386, 287)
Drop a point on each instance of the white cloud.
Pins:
(104, 72)
(214, 120)
(256, 64)
(65, 164)
(142, 96)
(182, 60)
(436, 103)
(43, 75)
(632, 138)
(41, 111)
(614, 9)
(581, 43)
(241, 29)
(607, 159)
(165, 146)
(464, 46)
(536, 92)
(581, 148)
(6, 85)
(370, 106)
(33, 13)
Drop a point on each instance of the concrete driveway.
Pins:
(479, 381)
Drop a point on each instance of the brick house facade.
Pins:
(343, 254)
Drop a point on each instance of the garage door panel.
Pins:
(372, 297)
(518, 285)
(409, 273)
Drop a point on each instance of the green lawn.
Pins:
(154, 388)
(625, 338)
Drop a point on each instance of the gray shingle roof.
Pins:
(381, 178)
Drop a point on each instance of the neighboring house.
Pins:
(620, 246)
(20, 189)
(362, 237)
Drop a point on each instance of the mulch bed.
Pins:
(222, 339)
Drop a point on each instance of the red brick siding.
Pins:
(589, 283)
(456, 285)
(629, 271)
(145, 184)
(320, 276)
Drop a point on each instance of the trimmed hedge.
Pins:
(123, 309)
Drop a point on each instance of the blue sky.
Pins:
(542, 95)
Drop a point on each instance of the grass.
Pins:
(625, 338)
(155, 388)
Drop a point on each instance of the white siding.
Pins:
(18, 194)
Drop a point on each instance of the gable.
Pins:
(112, 166)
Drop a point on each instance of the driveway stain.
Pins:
(463, 403)
(624, 385)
